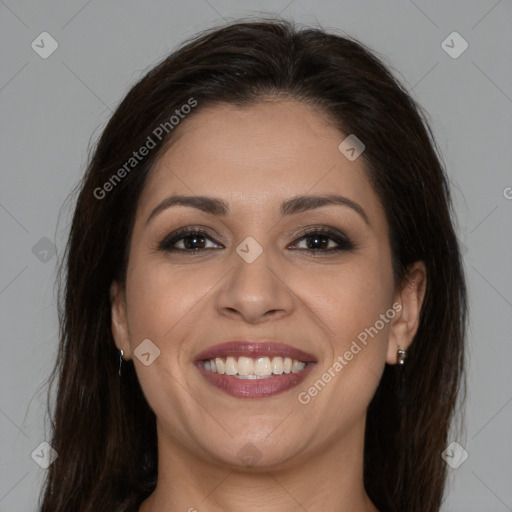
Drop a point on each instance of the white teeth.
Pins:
(245, 366)
(249, 368)
(219, 363)
(277, 365)
(262, 366)
(297, 366)
(230, 367)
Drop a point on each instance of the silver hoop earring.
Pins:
(402, 356)
(121, 354)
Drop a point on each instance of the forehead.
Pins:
(257, 156)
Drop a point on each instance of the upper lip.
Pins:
(254, 349)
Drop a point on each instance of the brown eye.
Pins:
(326, 241)
(191, 240)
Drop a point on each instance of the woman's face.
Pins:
(249, 276)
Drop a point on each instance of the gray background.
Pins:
(53, 108)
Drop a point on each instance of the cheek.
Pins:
(350, 299)
(159, 297)
(161, 306)
(355, 303)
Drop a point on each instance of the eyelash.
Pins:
(166, 245)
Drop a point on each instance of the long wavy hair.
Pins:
(102, 426)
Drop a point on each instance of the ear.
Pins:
(120, 330)
(408, 301)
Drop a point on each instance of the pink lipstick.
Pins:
(249, 369)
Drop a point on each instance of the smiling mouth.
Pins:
(254, 369)
(249, 368)
(262, 377)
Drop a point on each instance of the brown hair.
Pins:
(103, 429)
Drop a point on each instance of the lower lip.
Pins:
(257, 388)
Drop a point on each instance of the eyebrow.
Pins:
(219, 207)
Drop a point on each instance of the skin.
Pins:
(311, 455)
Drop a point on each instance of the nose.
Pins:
(256, 291)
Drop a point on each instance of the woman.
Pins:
(264, 301)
